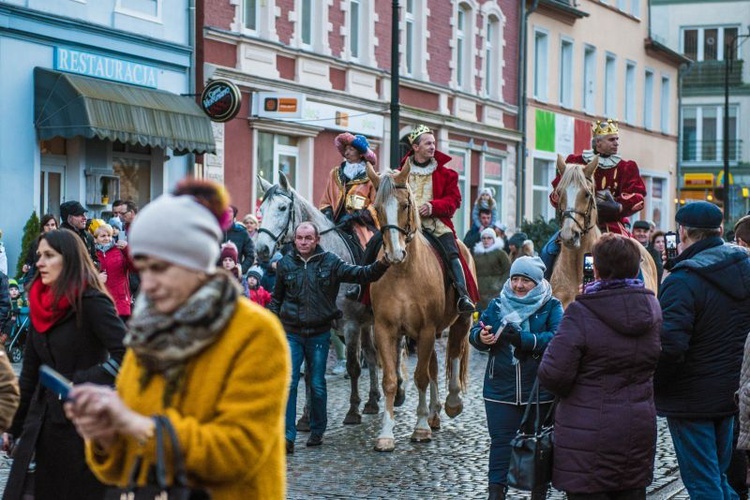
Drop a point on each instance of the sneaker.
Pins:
(315, 440)
(289, 447)
(339, 368)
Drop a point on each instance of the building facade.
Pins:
(594, 59)
(91, 105)
(310, 69)
(715, 97)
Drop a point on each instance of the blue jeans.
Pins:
(704, 450)
(314, 351)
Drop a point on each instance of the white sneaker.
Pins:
(340, 367)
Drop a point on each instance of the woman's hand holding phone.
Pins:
(486, 335)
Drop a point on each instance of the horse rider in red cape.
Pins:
(620, 191)
(436, 193)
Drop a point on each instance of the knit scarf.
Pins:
(165, 343)
(354, 170)
(104, 248)
(518, 310)
(600, 285)
(44, 312)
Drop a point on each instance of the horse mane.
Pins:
(386, 189)
(573, 175)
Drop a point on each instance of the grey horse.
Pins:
(283, 209)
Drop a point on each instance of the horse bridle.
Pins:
(569, 213)
(408, 231)
(280, 238)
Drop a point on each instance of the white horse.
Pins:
(283, 209)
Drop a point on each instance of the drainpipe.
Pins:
(522, 74)
(191, 77)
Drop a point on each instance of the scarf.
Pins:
(599, 285)
(105, 248)
(44, 312)
(518, 310)
(165, 343)
(353, 170)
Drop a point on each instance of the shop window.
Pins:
(132, 163)
(276, 153)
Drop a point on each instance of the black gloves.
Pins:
(608, 209)
(512, 334)
(364, 216)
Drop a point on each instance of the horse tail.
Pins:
(464, 365)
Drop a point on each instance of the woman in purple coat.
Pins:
(601, 364)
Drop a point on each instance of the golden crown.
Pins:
(602, 127)
(421, 129)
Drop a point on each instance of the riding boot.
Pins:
(465, 305)
(497, 491)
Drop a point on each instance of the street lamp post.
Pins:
(729, 49)
(395, 60)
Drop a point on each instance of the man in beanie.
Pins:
(307, 284)
(73, 218)
(642, 233)
(706, 308)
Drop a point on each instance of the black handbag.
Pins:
(531, 450)
(161, 490)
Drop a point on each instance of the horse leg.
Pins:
(353, 368)
(434, 417)
(386, 343)
(457, 365)
(422, 432)
(368, 348)
(403, 355)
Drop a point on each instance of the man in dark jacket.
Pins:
(73, 218)
(307, 283)
(237, 234)
(706, 307)
(473, 236)
(4, 301)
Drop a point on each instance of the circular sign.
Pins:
(221, 100)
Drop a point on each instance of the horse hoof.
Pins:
(453, 411)
(371, 409)
(352, 418)
(421, 436)
(385, 444)
(434, 423)
(400, 398)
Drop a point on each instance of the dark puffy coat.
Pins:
(89, 352)
(237, 234)
(4, 301)
(601, 363)
(304, 298)
(504, 381)
(88, 241)
(706, 306)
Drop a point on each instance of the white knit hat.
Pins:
(193, 243)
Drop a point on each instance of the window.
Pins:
(409, 47)
(566, 73)
(306, 22)
(622, 4)
(464, 48)
(250, 15)
(143, 9)
(541, 46)
(707, 44)
(493, 177)
(544, 172)
(655, 201)
(664, 108)
(277, 153)
(635, 8)
(589, 84)
(132, 164)
(630, 93)
(610, 86)
(461, 163)
(354, 29)
(257, 18)
(648, 100)
(492, 57)
(702, 133)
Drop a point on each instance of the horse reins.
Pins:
(280, 238)
(569, 213)
(409, 231)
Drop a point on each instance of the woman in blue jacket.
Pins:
(525, 315)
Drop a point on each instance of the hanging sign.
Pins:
(221, 100)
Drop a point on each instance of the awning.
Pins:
(67, 105)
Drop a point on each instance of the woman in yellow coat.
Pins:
(215, 364)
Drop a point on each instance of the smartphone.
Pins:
(588, 268)
(55, 382)
(670, 242)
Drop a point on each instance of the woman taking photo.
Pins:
(492, 265)
(601, 364)
(525, 316)
(75, 330)
(201, 355)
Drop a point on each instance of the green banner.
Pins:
(545, 131)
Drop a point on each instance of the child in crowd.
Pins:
(229, 260)
(256, 292)
(486, 201)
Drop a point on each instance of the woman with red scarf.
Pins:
(75, 330)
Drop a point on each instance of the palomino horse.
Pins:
(576, 209)
(411, 299)
(283, 209)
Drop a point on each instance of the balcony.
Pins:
(705, 74)
(710, 151)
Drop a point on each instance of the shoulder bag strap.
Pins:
(161, 469)
(180, 472)
(533, 401)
